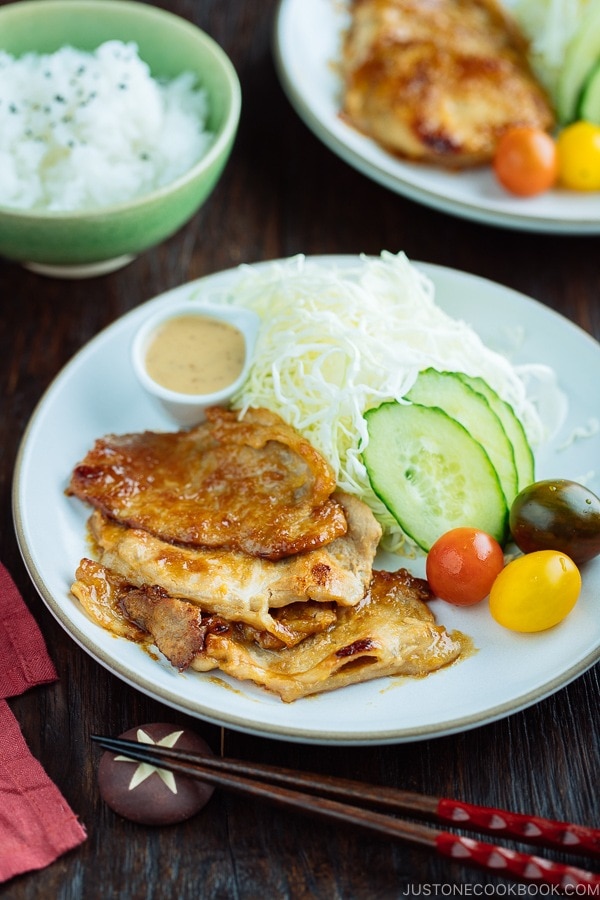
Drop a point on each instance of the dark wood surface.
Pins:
(282, 193)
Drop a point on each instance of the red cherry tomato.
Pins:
(526, 161)
(463, 564)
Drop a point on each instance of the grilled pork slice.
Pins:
(244, 588)
(438, 80)
(253, 485)
(390, 632)
(116, 604)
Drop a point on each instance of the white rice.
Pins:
(84, 130)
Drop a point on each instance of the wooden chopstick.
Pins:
(328, 797)
(528, 829)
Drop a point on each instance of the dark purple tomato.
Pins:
(557, 515)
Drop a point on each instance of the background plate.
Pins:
(97, 393)
(306, 46)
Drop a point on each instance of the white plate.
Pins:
(306, 42)
(97, 393)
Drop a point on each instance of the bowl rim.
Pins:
(216, 148)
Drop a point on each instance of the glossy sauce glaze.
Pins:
(196, 354)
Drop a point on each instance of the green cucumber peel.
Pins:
(431, 474)
(581, 58)
(451, 393)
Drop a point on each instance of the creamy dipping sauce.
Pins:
(196, 354)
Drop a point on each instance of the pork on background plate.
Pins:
(438, 80)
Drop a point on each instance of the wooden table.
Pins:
(282, 193)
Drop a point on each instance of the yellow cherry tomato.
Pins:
(536, 591)
(578, 153)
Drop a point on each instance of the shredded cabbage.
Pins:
(549, 26)
(336, 341)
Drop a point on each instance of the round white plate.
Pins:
(97, 393)
(306, 46)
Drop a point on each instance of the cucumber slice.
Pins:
(581, 57)
(431, 474)
(589, 108)
(523, 454)
(449, 392)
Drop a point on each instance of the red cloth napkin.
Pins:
(36, 823)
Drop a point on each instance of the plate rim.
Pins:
(448, 726)
(372, 169)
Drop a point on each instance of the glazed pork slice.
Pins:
(179, 627)
(252, 485)
(438, 80)
(391, 632)
(244, 588)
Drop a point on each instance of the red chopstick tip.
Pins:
(534, 829)
(515, 864)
